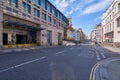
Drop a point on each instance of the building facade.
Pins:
(111, 23)
(70, 31)
(30, 22)
(76, 35)
(82, 35)
(97, 33)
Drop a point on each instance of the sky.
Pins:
(85, 14)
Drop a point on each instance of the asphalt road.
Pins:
(60, 63)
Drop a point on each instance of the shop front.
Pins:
(109, 37)
(18, 34)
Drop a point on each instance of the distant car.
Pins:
(70, 44)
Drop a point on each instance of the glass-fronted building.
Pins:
(30, 22)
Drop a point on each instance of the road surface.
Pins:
(60, 63)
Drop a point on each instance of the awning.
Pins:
(22, 25)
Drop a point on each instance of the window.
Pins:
(54, 22)
(53, 10)
(36, 12)
(113, 26)
(26, 7)
(49, 19)
(13, 2)
(118, 21)
(49, 8)
(60, 16)
(56, 14)
(36, 2)
(43, 4)
(115, 10)
(28, 1)
(59, 23)
(43, 16)
(9, 1)
(119, 7)
(110, 27)
(113, 14)
(110, 17)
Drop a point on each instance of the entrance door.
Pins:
(5, 38)
(21, 39)
(49, 37)
(59, 39)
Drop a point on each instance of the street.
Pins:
(59, 63)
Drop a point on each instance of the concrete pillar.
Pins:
(1, 24)
(38, 37)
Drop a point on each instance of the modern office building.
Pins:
(28, 22)
(111, 23)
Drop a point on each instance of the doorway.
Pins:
(5, 38)
(21, 39)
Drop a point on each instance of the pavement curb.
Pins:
(5, 51)
(99, 71)
(112, 49)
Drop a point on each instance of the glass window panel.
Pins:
(49, 8)
(43, 16)
(119, 7)
(36, 12)
(49, 19)
(9, 1)
(36, 2)
(43, 4)
(14, 2)
(26, 7)
(119, 22)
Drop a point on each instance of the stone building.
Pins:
(97, 33)
(30, 22)
(76, 36)
(111, 23)
(82, 35)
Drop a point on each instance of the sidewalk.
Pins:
(106, 70)
(7, 50)
(112, 49)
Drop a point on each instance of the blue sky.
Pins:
(85, 14)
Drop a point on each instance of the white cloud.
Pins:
(63, 4)
(79, 6)
(71, 1)
(101, 5)
(97, 18)
(88, 1)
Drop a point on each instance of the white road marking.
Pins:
(26, 49)
(85, 44)
(18, 50)
(33, 48)
(103, 55)
(60, 52)
(22, 64)
(72, 48)
(7, 51)
(98, 56)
